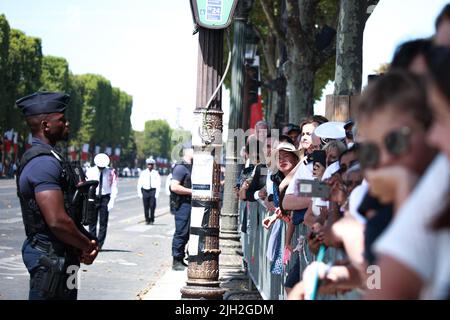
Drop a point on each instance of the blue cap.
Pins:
(43, 102)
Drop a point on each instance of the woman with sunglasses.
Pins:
(413, 252)
(393, 117)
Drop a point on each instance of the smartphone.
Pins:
(313, 189)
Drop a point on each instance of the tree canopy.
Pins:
(99, 113)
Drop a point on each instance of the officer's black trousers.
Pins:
(102, 215)
(181, 235)
(149, 201)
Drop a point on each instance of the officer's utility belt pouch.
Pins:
(52, 282)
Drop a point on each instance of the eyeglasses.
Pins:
(396, 143)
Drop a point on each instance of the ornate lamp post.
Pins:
(203, 271)
(229, 235)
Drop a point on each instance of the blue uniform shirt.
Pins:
(180, 173)
(40, 174)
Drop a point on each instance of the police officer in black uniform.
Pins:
(181, 194)
(51, 194)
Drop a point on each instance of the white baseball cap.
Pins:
(150, 161)
(330, 130)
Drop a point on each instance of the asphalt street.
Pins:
(134, 256)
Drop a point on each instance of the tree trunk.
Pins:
(300, 87)
(352, 20)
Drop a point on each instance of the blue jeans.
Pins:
(181, 235)
(38, 274)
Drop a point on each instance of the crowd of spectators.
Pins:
(369, 196)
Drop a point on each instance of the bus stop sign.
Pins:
(213, 14)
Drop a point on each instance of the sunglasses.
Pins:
(397, 143)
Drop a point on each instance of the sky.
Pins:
(146, 47)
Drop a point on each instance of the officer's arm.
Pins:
(51, 204)
(176, 187)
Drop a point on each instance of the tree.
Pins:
(306, 29)
(156, 140)
(74, 112)
(23, 74)
(4, 53)
(352, 21)
(55, 74)
(98, 113)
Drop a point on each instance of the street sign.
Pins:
(213, 14)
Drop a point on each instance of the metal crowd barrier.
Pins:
(254, 240)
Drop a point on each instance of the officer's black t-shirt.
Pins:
(40, 174)
(181, 174)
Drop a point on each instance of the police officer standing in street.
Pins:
(148, 188)
(106, 194)
(180, 187)
(47, 185)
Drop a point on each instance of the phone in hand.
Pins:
(313, 189)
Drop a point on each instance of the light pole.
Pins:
(203, 269)
(229, 235)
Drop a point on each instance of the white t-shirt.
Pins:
(409, 239)
(304, 172)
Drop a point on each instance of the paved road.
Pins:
(135, 255)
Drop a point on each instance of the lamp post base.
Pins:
(209, 290)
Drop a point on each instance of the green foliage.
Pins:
(4, 50)
(156, 140)
(98, 113)
(139, 141)
(22, 75)
(327, 12)
(55, 74)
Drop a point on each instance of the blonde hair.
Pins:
(336, 144)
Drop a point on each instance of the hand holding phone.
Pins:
(313, 189)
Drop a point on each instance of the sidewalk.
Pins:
(231, 276)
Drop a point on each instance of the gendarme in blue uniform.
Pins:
(41, 174)
(47, 259)
(181, 173)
